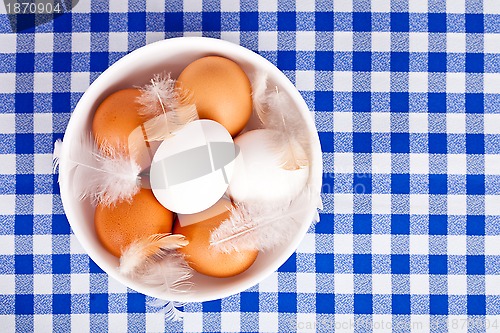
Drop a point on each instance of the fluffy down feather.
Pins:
(154, 261)
(260, 226)
(106, 175)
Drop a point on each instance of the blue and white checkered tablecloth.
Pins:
(406, 97)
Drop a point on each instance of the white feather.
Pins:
(169, 308)
(161, 96)
(166, 107)
(260, 226)
(292, 139)
(56, 156)
(106, 176)
(154, 261)
(163, 126)
(259, 94)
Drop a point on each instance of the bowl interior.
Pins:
(136, 69)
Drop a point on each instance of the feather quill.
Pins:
(167, 107)
(106, 175)
(154, 261)
(259, 226)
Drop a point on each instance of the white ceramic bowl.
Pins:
(137, 68)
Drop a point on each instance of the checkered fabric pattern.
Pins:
(406, 97)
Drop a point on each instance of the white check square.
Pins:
(419, 204)
(41, 322)
(455, 6)
(229, 321)
(342, 121)
(343, 41)
(230, 36)
(456, 245)
(419, 6)
(419, 164)
(80, 42)
(381, 284)
(492, 205)
(42, 122)
(122, 6)
(8, 285)
(7, 245)
(457, 204)
(44, 42)
(419, 284)
(42, 82)
(7, 83)
(418, 81)
(381, 244)
(492, 41)
(117, 322)
(455, 82)
(343, 203)
(419, 42)
(80, 81)
(155, 322)
(42, 284)
(42, 244)
(455, 42)
(381, 122)
(342, 81)
(492, 284)
(344, 162)
(344, 283)
(383, 6)
(457, 164)
(156, 6)
(268, 322)
(42, 204)
(455, 123)
(343, 243)
(7, 126)
(381, 81)
(308, 244)
(9, 42)
(418, 122)
(80, 283)
(342, 6)
(80, 322)
(381, 163)
(118, 41)
(457, 284)
(419, 244)
(304, 80)
(306, 282)
(492, 164)
(492, 84)
(381, 41)
(268, 5)
(268, 40)
(305, 41)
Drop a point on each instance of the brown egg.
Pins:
(116, 117)
(117, 226)
(221, 91)
(205, 259)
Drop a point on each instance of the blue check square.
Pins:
(363, 303)
(400, 264)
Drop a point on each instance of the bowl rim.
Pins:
(217, 47)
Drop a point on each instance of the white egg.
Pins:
(192, 169)
(258, 172)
